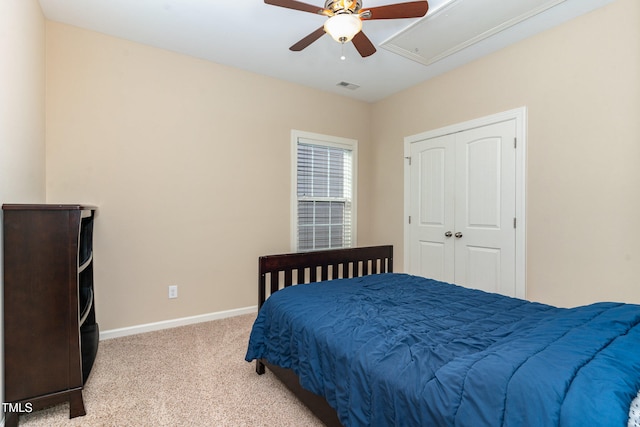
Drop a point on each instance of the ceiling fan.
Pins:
(345, 20)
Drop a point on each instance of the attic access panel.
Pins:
(459, 24)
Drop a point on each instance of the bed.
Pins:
(363, 346)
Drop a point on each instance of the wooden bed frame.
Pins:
(279, 271)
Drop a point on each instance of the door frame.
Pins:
(520, 117)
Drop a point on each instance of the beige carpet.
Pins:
(186, 376)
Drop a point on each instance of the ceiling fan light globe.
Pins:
(343, 27)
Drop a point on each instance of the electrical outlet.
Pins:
(173, 291)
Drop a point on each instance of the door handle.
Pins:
(448, 234)
(458, 234)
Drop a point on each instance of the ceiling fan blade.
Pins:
(363, 45)
(413, 9)
(297, 5)
(308, 40)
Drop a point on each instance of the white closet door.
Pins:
(485, 208)
(432, 213)
(462, 208)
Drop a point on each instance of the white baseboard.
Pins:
(166, 324)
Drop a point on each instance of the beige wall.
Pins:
(22, 42)
(22, 79)
(189, 164)
(581, 85)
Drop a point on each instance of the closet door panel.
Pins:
(481, 183)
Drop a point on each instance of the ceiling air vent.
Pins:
(348, 85)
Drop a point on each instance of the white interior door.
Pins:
(462, 206)
(432, 215)
(485, 208)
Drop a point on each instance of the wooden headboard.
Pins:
(284, 270)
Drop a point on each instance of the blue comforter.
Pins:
(400, 350)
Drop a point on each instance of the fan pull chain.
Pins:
(342, 57)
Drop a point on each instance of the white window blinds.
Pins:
(324, 196)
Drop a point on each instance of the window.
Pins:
(323, 199)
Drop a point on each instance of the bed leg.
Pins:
(259, 367)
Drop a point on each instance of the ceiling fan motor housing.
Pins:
(343, 6)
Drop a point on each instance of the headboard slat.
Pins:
(275, 281)
(288, 277)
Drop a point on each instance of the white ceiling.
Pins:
(253, 36)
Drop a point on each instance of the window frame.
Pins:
(298, 136)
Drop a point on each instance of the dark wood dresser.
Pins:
(50, 330)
